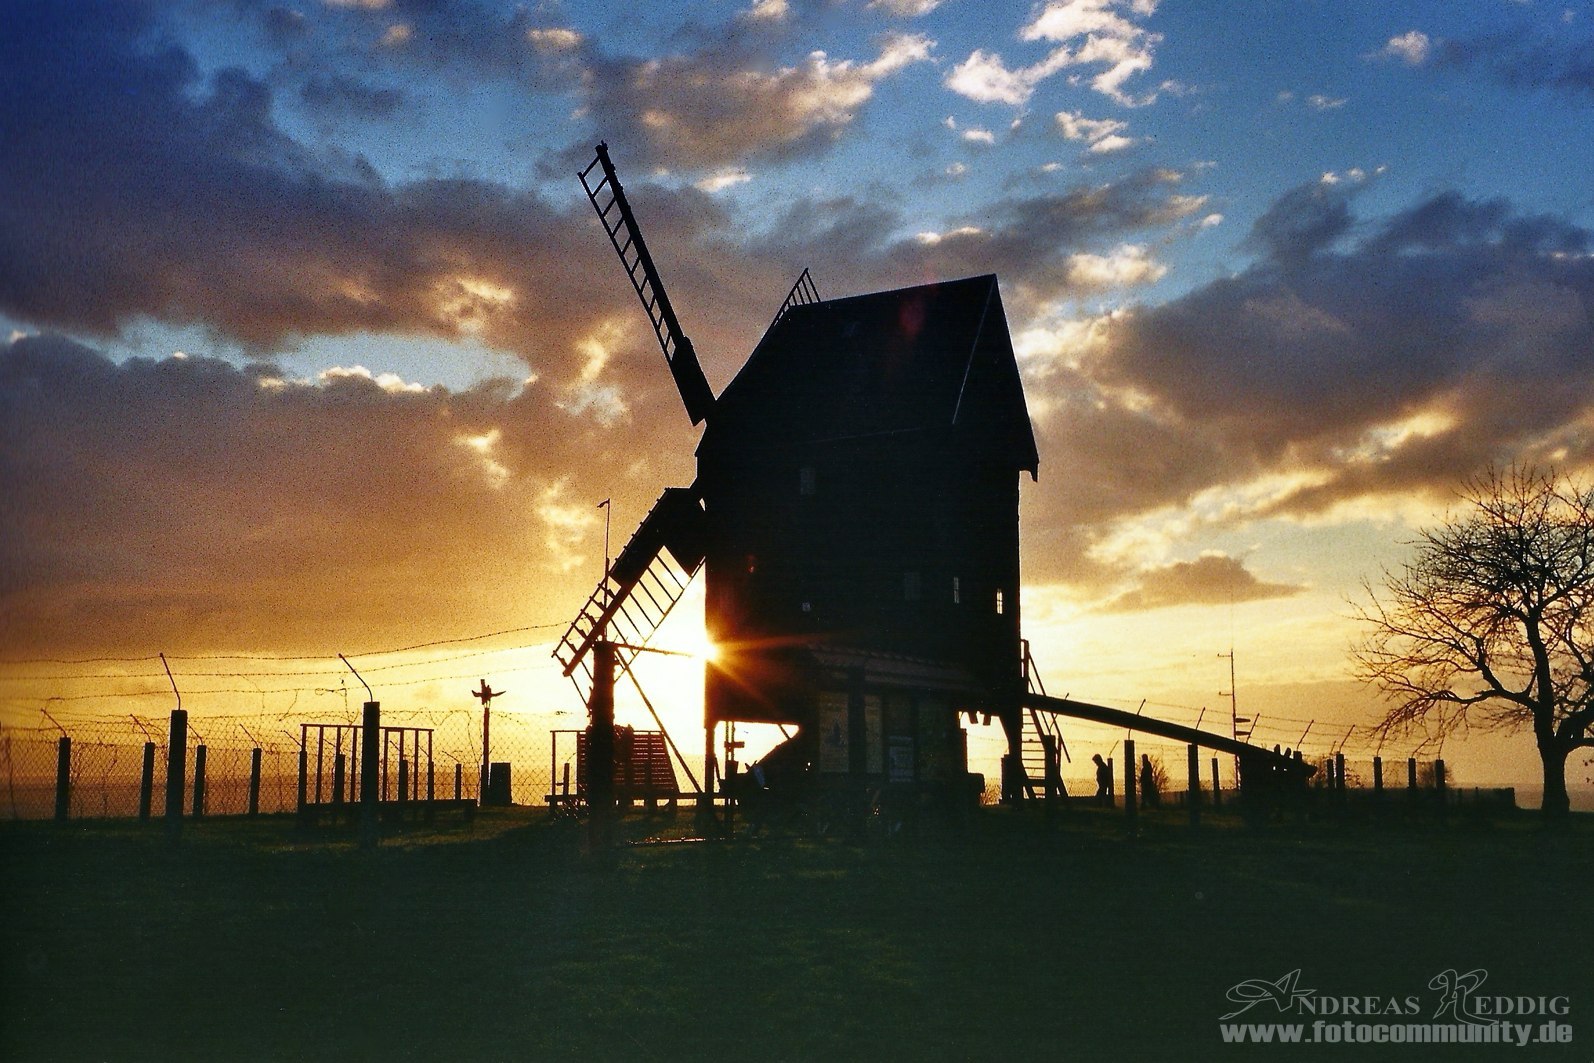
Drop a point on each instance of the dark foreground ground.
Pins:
(501, 941)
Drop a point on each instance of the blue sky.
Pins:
(1279, 274)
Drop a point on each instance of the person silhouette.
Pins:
(1148, 783)
(1103, 781)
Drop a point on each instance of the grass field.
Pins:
(1005, 941)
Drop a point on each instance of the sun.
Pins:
(695, 641)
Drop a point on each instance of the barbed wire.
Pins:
(550, 626)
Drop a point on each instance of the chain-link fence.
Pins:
(122, 768)
(234, 766)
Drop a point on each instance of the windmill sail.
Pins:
(608, 199)
(640, 588)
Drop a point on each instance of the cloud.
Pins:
(1103, 135)
(334, 95)
(1127, 265)
(1450, 334)
(723, 179)
(984, 78)
(719, 108)
(769, 11)
(1212, 579)
(906, 8)
(1090, 33)
(1412, 47)
(189, 504)
(138, 189)
(1544, 54)
(554, 38)
(1529, 58)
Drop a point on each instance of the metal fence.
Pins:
(119, 768)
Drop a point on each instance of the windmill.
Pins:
(856, 510)
(855, 513)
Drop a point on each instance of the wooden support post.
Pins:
(1217, 789)
(63, 778)
(176, 770)
(254, 781)
(459, 780)
(1129, 778)
(1378, 777)
(1339, 776)
(146, 783)
(370, 749)
(1053, 779)
(600, 748)
(340, 768)
(320, 759)
(403, 779)
(199, 781)
(1411, 776)
(304, 776)
(1439, 784)
(1193, 797)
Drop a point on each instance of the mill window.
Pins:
(1001, 603)
(957, 590)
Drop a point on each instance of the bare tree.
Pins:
(1491, 623)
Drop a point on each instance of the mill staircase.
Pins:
(1037, 726)
(641, 587)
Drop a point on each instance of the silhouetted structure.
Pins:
(856, 511)
(856, 508)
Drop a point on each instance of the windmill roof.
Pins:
(934, 356)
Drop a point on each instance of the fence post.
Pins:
(63, 778)
(404, 779)
(146, 783)
(340, 766)
(176, 770)
(254, 781)
(370, 741)
(1217, 789)
(1339, 777)
(1129, 779)
(459, 780)
(1439, 783)
(1378, 777)
(1193, 797)
(199, 781)
(304, 775)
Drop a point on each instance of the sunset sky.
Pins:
(310, 343)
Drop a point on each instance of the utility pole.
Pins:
(608, 511)
(600, 748)
(1234, 708)
(485, 695)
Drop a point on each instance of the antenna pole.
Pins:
(173, 682)
(368, 695)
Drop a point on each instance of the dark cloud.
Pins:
(138, 188)
(1302, 222)
(1559, 59)
(133, 187)
(336, 96)
(1448, 335)
(1212, 579)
